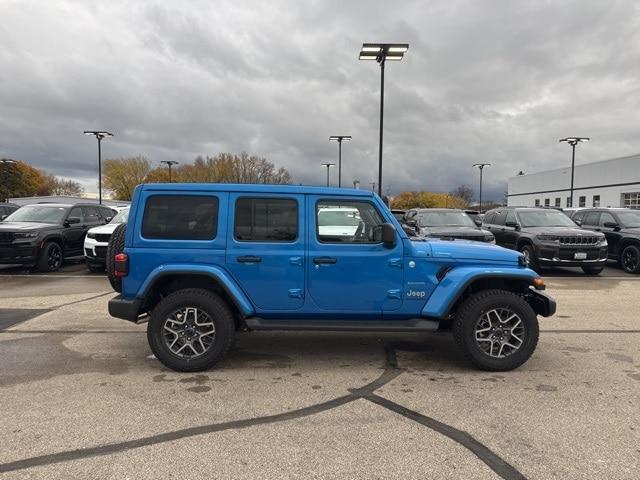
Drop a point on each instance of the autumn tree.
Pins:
(53, 185)
(121, 175)
(19, 179)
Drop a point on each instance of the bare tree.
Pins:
(464, 192)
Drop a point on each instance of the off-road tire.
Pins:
(533, 261)
(633, 249)
(116, 246)
(218, 311)
(592, 270)
(469, 313)
(44, 265)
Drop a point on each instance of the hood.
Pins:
(562, 231)
(464, 250)
(108, 228)
(454, 231)
(25, 226)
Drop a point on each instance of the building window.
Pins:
(568, 202)
(547, 202)
(631, 200)
(537, 202)
(558, 202)
(582, 201)
(596, 200)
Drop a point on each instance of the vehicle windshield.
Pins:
(445, 219)
(38, 214)
(630, 219)
(545, 218)
(121, 217)
(346, 218)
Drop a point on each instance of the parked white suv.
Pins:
(97, 240)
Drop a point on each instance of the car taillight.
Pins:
(121, 265)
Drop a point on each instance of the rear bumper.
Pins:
(541, 303)
(124, 308)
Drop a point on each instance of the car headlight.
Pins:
(20, 235)
(547, 238)
(91, 235)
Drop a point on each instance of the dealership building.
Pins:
(607, 183)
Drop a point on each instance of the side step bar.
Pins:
(412, 325)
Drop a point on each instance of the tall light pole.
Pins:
(6, 161)
(328, 165)
(481, 167)
(573, 141)
(169, 164)
(339, 139)
(381, 52)
(99, 134)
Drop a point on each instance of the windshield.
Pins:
(38, 213)
(445, 219)
(630, 219)
(545, 218)
(121, 217)
(346, 217)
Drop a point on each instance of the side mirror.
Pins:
(2, 217)
(411, 223)
(388, 235)
(478, 222)
(72, 220)
(512, 225)
(108, 219)
(578, 222)
(611, 225)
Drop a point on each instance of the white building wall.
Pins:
(609, 179)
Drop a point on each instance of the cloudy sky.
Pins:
(483, 81)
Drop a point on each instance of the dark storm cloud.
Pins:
(486, 81)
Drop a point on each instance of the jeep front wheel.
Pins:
(190, 330)
(496, 330)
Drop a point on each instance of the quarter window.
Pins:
(348, 222)
(180, 217)
(266, 220)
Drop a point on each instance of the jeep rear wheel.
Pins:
(496, 330)
(190, 330)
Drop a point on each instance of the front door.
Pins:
(265, 249)
(74, 232)
(349, 270)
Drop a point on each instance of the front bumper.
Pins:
(553, 255)
(95, 252)
(18, 254)
(124, 308)
(541, 303)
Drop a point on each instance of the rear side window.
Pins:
(266, 220)
(180, 217)
(488, 219)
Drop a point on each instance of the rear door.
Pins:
(265, 249)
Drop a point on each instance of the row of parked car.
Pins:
(43, 235)
(584, 238)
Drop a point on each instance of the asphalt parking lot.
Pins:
(82, 397)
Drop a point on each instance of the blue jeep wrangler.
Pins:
(205, 260)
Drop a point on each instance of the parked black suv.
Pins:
(547, 237)
(621, 226)
(7, 209)
(44, 234)
(447, 223)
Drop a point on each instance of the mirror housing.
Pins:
(108, 219)
(388, 235)
(512, 225)
(411, 223)
(613, 225)
(2, 217)
(478, 222)
(578, 222)
(72, 221)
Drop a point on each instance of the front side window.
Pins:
(121, 217)
(77, 212)
(348, 222)
(511, 217)
(500, 217)
(606, 217)
(180, 217)
(266, 220)
(591, 218)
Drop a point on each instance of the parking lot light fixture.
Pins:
(573, 141)
(381, 52)
(328, 165)
(169, 164)
(99, 134)
(340, 139)
(481, 167)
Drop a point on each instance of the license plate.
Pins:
(580, 256)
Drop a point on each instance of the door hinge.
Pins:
(295, 261)
(296, 293)
(394, 293)
(395, 262)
